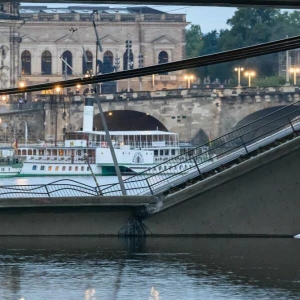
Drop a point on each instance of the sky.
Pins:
(209, 18)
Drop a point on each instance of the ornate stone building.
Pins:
(41, 44)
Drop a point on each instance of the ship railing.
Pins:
(199, 163)
(136, 145)
(150, 144)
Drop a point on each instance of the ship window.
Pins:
(167, 152)
(2, 169)
(87, 168)
(34, 167)
(57, 168)
(155, 152)
(19, 152)
(161, 152)
(50, 168)
(70, 168)
(42, 168)
(30, 152)
(64, 168)
(41, 152)
(76, 168)
(34, 152)
(24, 152)
(79, 152)
(82, 168)
(54, 152)
(173, 151)
(61, 152)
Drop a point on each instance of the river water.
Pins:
(90, 268)
(102, 180)
(168, 268)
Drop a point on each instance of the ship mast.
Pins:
(103, 120)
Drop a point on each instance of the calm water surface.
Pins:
(91, 268)
(48, 179)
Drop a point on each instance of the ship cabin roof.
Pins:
(133, 132)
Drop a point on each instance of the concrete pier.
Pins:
(68, 216)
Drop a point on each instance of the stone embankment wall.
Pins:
(15, 119)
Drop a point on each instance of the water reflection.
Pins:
(93, 268)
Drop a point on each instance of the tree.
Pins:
(248, 26)
(194, 41)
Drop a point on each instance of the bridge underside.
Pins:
(233, 3)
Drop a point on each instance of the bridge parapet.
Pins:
(203, 92)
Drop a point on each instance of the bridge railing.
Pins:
(220, 151)
(9, 107)
(59, 188)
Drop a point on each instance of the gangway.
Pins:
(187, 168)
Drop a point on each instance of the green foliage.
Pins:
(194, 43)
(248, 26)
(269, 81)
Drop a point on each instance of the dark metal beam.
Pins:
(242, 53)
(227, 3)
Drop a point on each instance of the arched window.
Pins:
(67, 56)
(46, 63)
(162, 59)
(26, 62)
(109, 56)
(87, 66)
(125, 60)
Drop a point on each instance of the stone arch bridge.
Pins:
(196, 114)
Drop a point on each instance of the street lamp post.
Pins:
(5, 128)
(249, 74)
(117, 66)
(57, 89)
(129, 63)
(189, 78)
(294, 71)
(23, 85)
(239, 69)
(25, 132)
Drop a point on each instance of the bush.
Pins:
(269, 81)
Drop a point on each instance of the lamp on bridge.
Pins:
(22, 85)
(294, 71)
(189, 77)
(3, 98)
(78, 86)
(239, 69)
(249, 74)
